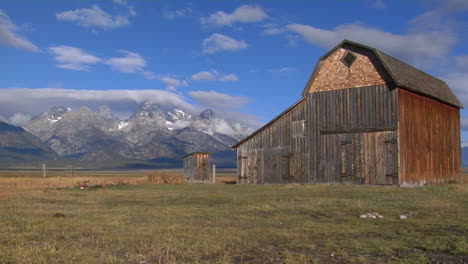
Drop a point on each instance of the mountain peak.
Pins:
(207, 114)
(149, 110)
(57, 111)
(106, 112)
(85, 109)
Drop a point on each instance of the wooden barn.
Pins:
(364, 117)
(197, 167)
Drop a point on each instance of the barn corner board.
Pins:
(365, 117)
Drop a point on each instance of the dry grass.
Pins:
(165, 178)
(143, 221)
(10, 187)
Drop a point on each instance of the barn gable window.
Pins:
(348, 59)
(298, 128)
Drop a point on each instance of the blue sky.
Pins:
(249, 60)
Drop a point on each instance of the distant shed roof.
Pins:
(197, 152)
(404, 76)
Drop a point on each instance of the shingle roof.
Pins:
(412, 79)
(404, 76)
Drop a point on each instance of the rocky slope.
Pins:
(18, 146)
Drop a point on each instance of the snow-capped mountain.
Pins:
(150, 117)
(152, 132)
(208, 122)
(43, 125)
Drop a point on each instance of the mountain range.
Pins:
(152, 136)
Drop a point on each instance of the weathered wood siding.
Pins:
(346, 126)
(197, 167)
(429, 140)
(278, 153)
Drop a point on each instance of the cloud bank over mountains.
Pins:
(18, 105)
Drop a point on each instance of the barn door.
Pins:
(351, 158)
(287, 166)
(342, 158)
(381, 158)
(242, 167)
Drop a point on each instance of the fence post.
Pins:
(214, 173)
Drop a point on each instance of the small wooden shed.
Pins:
(197, 167)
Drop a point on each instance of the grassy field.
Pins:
(139, 221)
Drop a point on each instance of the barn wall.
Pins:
(429, 140)
(332, 74)
(278, 153)
(344, 126)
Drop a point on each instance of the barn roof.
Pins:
(404, 76)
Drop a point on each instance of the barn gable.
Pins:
(374, 67)
(348, 67)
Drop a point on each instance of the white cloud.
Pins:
(283, 70)
(130, 63)
(19, 119)
(149, 75)
(172, 84)
(464, 123)
(218, 42)
(215, 100)
(273, 31)
(462, 62)
(412, 47)
(243, 14)
(441, 18)
(120, 2)
(229, 78)
(3, 119)
(73, 58)
(458, 81)
(203, 76)
(379, 4)
(167, 14)
(427, 42)
(9, 37)
(95, 17)
(34, 101)
(21, 103)
(214, 75)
